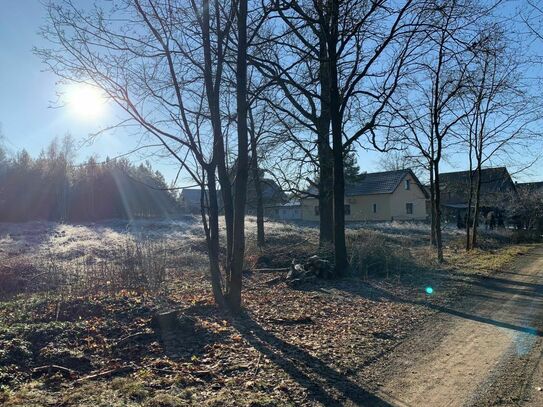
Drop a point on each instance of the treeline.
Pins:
(51, 187)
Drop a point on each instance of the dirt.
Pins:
(483, 350)
(328, 342)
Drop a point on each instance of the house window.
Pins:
(347, 209)
(406, 184)
(374, 208)
(409, 208)
(317, 212)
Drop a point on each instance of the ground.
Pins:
(482, 350)
(79, 305)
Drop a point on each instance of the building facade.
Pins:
(381, 196)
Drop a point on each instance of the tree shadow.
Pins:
(485, 288)
(307, 370)
(463, 310)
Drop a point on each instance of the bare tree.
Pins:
(501, 113)
(345, 62)
(431, 111)
(165, 64)
(401, 159)
(292, 58)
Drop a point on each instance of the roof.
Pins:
(530, 186)
(288, 205)
(493, 180)
(191, 195)
(384, 182)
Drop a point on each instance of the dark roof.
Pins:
(270, 189)
(530, 186)
(380, 183)
(493, 180)
(191, 195)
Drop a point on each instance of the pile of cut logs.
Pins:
(298, 272)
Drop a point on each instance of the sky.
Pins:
(31, 115)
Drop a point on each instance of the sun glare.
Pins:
(85, 101)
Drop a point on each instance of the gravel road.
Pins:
(484, 350)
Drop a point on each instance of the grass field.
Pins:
(78, 301)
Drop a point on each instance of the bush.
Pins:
(526, 236)
(16, 277)
(372, 254)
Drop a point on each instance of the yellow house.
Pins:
(379, 196)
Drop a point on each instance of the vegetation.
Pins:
(51, 187)
(78, 329)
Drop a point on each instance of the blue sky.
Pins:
(28, 94)
(30, 112)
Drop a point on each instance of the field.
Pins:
(78, 310)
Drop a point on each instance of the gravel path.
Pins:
(484, 350)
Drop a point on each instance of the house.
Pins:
(288, 211)
(190, 200)
(497, 190)
(272, 194)
(379, 196)
(530, 186)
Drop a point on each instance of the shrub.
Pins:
(372, 254)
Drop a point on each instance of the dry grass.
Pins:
(101, 283)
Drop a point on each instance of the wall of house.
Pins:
(389, 206)
(401, 196)
(308, 209)
(361, 208)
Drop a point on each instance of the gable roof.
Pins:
(384, 182)
(191, 195)
(530, 186)
(493, 180)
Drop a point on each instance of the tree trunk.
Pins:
(468, 215)
(432, 208)
(340, 249)
(218, 141)
(326, 195)
(326, 167)
(476, 209)
(212, 235)
(240, 190)
(439, 240)
(260, 234)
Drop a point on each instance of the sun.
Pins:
(85, 101)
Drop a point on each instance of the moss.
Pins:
(130, 388)
(163, 399)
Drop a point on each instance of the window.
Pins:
(317, 212)
(406, 184)
(409, 208)
(374, 208)
(347, 209)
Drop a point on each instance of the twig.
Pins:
(130, 337)
(111, 372)
(257, 365)
(49, 368)
(271, 270)
(301, 320)
(275, 280)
